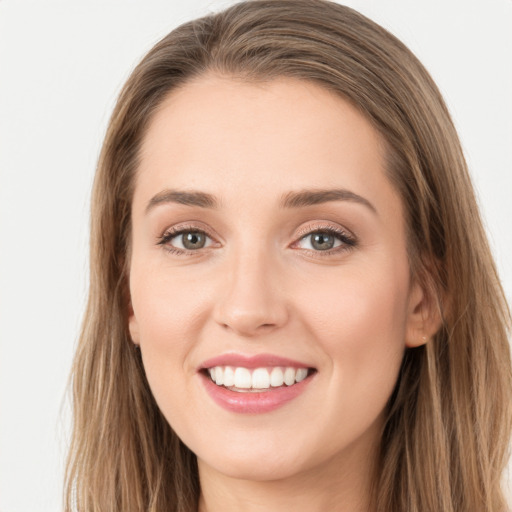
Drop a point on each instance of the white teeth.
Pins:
(302, 373)
(276, 377)
(243, 378)
(259, 378)
(229, 376)
(289, 376)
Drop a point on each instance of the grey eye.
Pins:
(193, 240)
(186, 239)
(322, 241)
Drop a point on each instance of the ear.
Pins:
(423, 316)
(133, 325)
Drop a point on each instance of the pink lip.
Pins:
(253, 403)
(248, 402)
(251, 362)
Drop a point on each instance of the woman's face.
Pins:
(269, 250)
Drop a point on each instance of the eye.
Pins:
(321, 241)
(184, 240)
(325, 240)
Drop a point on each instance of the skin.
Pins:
(260, 286)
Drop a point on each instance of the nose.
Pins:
(252, 299)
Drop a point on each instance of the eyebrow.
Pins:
(289, 200)
(188, 198)
(319, 196)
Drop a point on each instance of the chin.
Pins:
(263, 460)
(257, 470)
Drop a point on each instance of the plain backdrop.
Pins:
(62, 64)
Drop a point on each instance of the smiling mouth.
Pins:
(256, 380)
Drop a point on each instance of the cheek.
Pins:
(165, 307)
(169, 317)
(361, 325)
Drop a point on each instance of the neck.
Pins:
(342, 484)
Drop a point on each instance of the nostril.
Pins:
(247, 325)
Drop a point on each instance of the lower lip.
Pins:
(254, 403)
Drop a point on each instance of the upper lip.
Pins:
(251, 361)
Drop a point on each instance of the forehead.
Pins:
(260, 140)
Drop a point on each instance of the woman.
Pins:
(292, 301)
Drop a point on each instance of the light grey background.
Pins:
(62, 64)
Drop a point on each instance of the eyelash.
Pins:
(349, 242)
(173, 233)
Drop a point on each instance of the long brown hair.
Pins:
(445, 441)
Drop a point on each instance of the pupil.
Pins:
(323, 241)
(193, 240)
